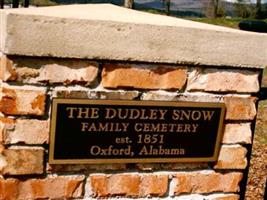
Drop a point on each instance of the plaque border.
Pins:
(52, 132)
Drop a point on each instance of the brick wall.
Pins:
(29, 83)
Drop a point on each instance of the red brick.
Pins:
(124, 184)
(60, 187)
(223, 80)
(226, 197)
(9, 189)
(99, 185)
(23, 160)
(25, 100)
(143, 77)
(207, 182)
(4, 124)
(232, 157)
(115, 185)
(48, 70)
(237, 133)
(65, 72)
(7, 71)
(7, 120)
(2, 128)
(27, 131)
(154, 185)
(240, 108)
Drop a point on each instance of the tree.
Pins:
(26, 3)
(244, 9)
(15, 3)
(258, 9)
(1, 4)
(167, 5)
(216, 8)
(128, 3)
(212, 8)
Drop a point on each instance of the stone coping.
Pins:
(103, 31)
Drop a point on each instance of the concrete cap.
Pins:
(103, 31)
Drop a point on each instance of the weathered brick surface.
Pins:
(232, 157)
(99, 185)
(7, 120)
(40, 70)
(61, 187)
(124, 184)
(2, 128)
(3, 162)
(7, 71)
(99, 93)
(9, 189)
(218, 80)
(226, 197)
(143, 77)
(4, 124)
(218, 196)
(115, 185)
(237, 133)
(154, 185)
(127, 185)
(23, 160)
(27, 131)
(198, 182)
(24, 100)
(240, 108)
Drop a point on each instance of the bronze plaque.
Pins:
(108, 131)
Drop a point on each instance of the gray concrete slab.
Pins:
(103, 31)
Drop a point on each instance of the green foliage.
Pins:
(244, 10)
(10, 1)
(215, 8)
(154, 11)
(42, 3)
(221, 12)
(117, 2)
(35, 2)
(264, 78)
(263, 13)
(231, 22)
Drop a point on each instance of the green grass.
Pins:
(227, 22)
(43, 3)
(264, 78)
(221, 21)
(232, 22)
(153, 11)
(261, 126)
